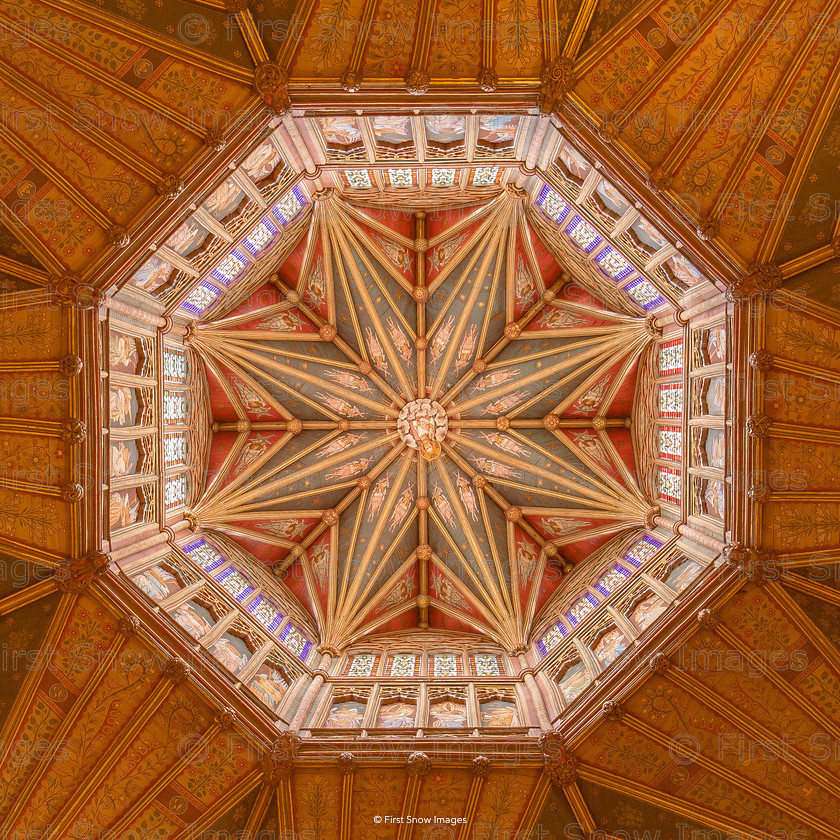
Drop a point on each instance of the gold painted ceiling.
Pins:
(717, 121)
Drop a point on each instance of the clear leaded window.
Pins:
(639, 553)
(670, 443)
(671, 399)
(582, 607)
(552, 205)
(485, 176)
(403, 665)
(293, 638)
(205, 555)
(235, 583)
(174, 408)
(445, 665)
(175, 449)
(614, 578)
(671, 358)
(175, 491)
(361, 665)
(358, 179)
(487, 665)
(174, 365)
(670, 485)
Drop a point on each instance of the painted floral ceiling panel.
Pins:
(423, 423)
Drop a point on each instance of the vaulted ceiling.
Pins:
(474, 344)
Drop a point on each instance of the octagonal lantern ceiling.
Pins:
(421, 421)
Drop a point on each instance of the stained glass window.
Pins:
(446, 665)
(671, 357)
(614, 578)
(485, 176)
(205, 555)
(613, 264)
(400, 177)
(201, 297)
(551, 638)
(639, 553)
(582, 607)
(289, 206)
(552, 205)
(358, 179)
(266, 613)
(261, 236)
(230, 267)
(175, 449)
(235, 583)
(174, 365)
(175, 491)
(361, 665)
(671, 399)
(644, 293)
(670, 443)
(670, 485)
(583, 234)
(295, 641)
(443, 177)
(174, 408)
(486, 665)
(403, 665)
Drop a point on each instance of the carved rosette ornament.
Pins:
(479, 365)
(708, 228)
(350, 81)
(612, 710)
(227, 718)
(551, 422)
(170, 187)
(129, 625)
(734, 554)
(73, 430)
(502, 424)
(513, 331)
(270, 81)
(562, 770)
(758, 426)
(651, 327)
(419, 764)
(659, 663)
(328, 332)
(513, 514)
(555, 82)
(767, 277)
(707, 619)
(424, 551)
(330, 517)
(72, 492)
(70, 365)
(76, 575)
(658, 180)
(479, 481)
(761, 360)
(417, 82)
(294, 426)
(347, 763)
(550, 550)
(118, 237)
(599, 423)
(278, 763)
(215, 140)
(480, 766)
(488, 79)
(176, 671)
